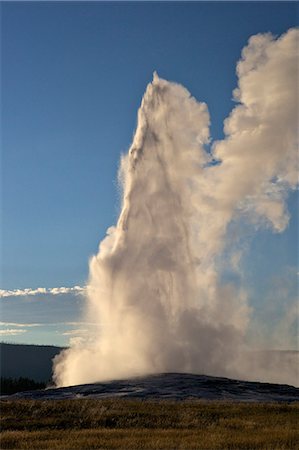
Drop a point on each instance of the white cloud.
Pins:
(75, 332)
(12, 332)
(75, 324)
(41, 291)
(14, 324)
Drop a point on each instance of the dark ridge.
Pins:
(21, 384)
(28, 361)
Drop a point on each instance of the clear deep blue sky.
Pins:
(73, 75)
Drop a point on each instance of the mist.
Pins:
(154, 287)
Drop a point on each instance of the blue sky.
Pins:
(73, 75)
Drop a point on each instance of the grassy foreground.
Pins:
(130, 424)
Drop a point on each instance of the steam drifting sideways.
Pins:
(154, 287)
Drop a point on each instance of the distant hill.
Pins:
(27, 361)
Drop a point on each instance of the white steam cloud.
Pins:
(154, 285)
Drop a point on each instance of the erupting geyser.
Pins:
(153, 287)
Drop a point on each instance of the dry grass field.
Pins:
(131, 424)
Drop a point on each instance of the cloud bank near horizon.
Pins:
(45, 315)
(42, 291)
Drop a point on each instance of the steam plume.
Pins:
(154, 285)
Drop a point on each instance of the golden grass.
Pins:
(130, 424)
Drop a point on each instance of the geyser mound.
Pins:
(171, 386)
(154, 288)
